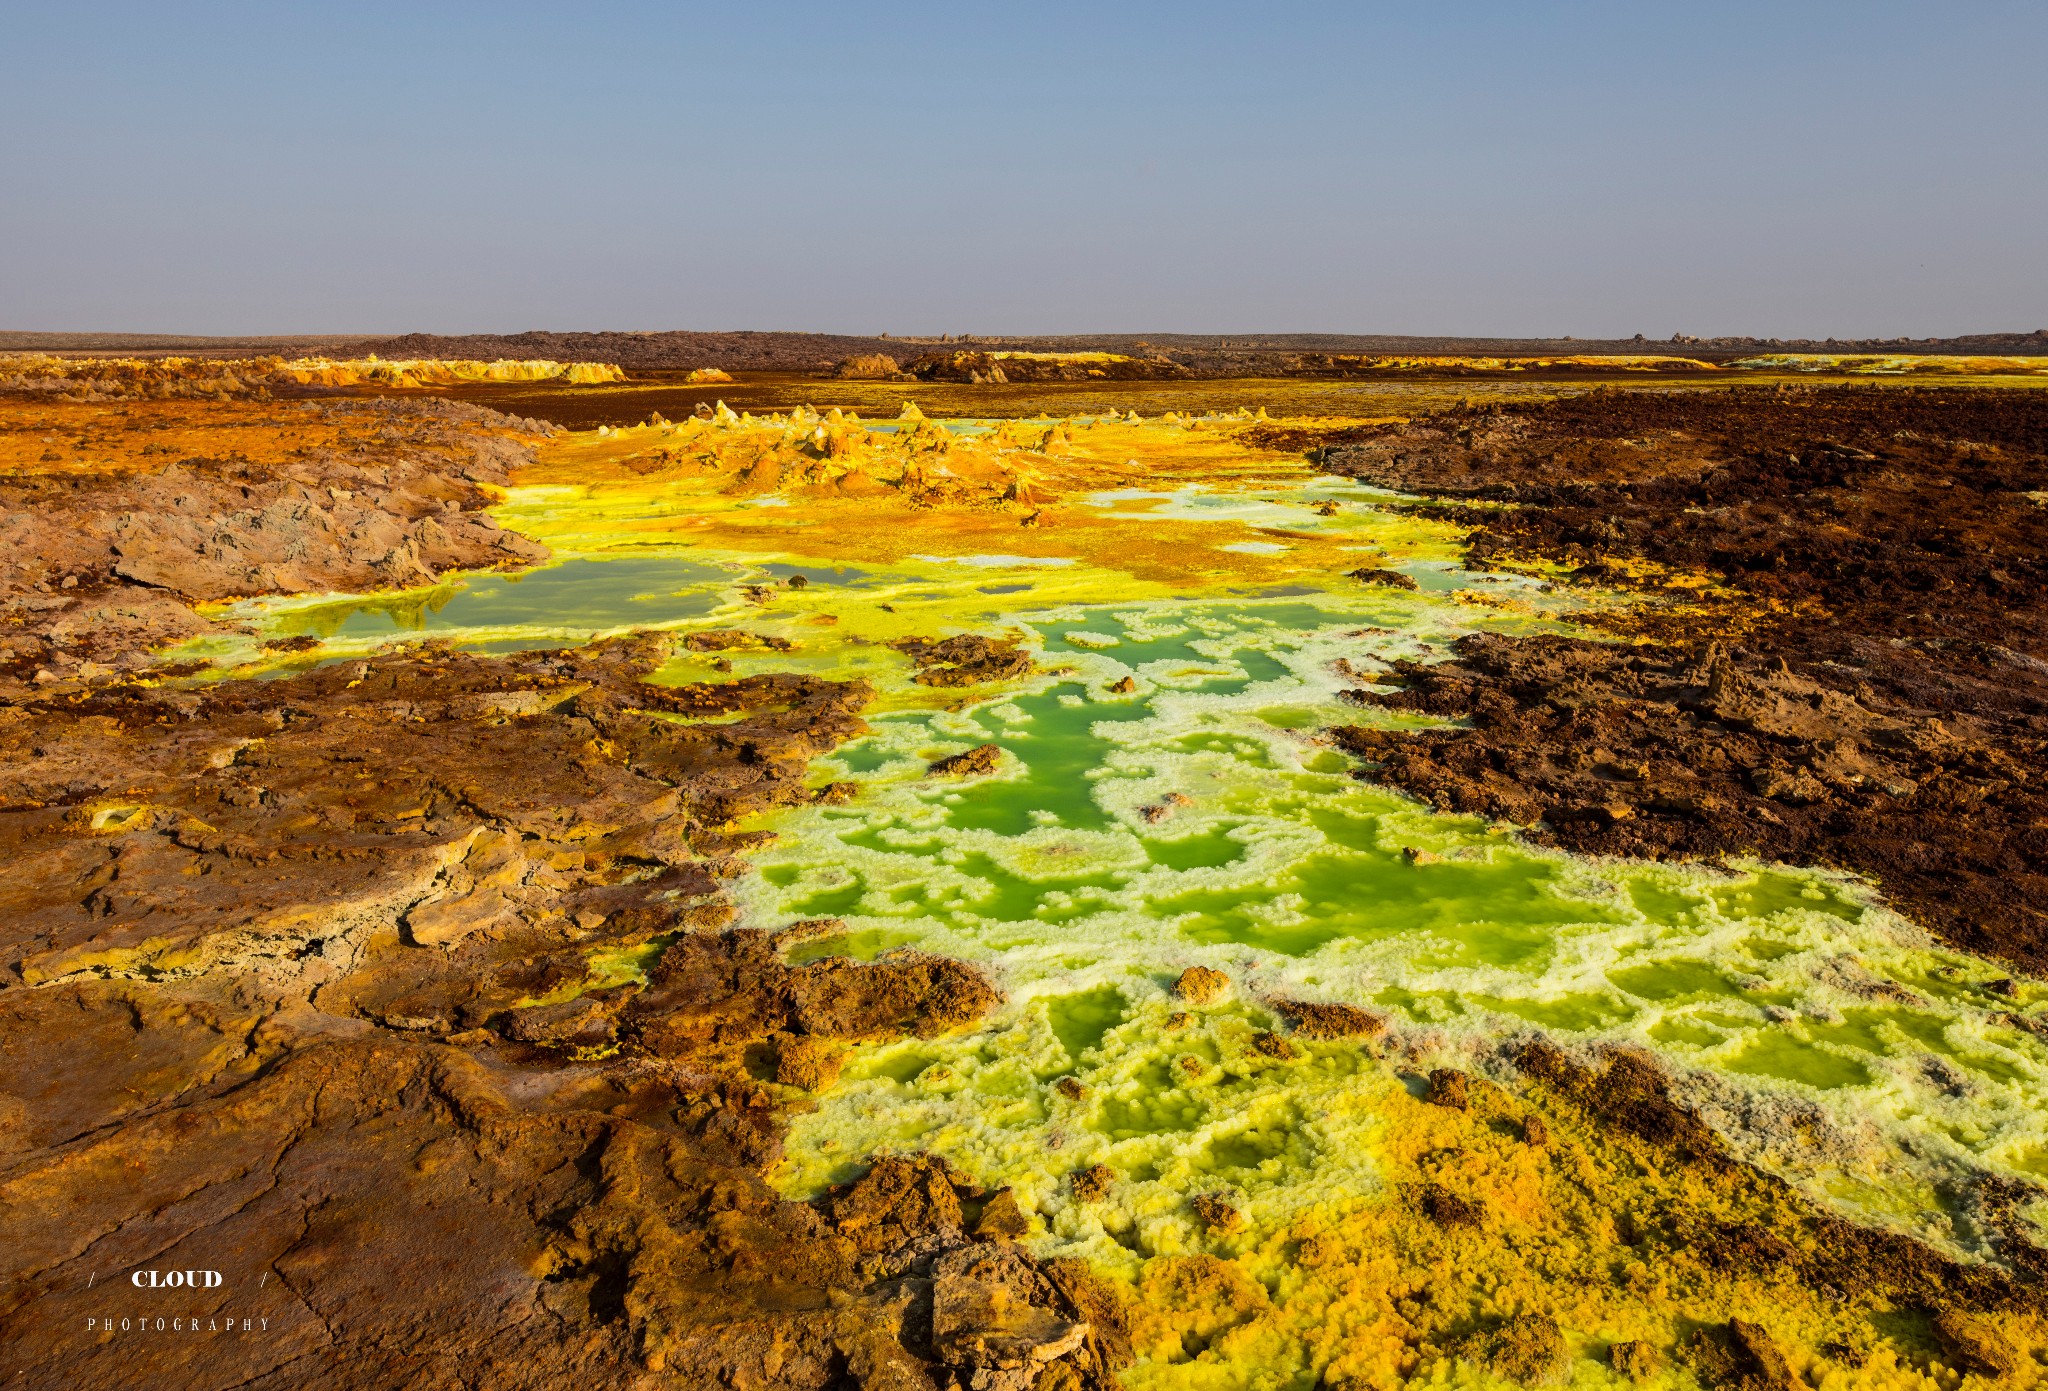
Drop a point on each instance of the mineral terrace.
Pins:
(1031, 866)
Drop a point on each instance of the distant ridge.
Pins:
(151, 344)
(1228, 354)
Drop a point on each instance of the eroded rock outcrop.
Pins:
(318, 956)
(967, 659)
(109, 536)
(1847, 662)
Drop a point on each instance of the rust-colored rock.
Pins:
(1741, 1357)
(1275, 1046)
(866, 367)
(1091, 1184)
(967, 659)
(807, 1063)
(897, 1199)
(728, 639)
(993, 1309)
(1201, 985)
(1217, 1213)
(719, 990)
(1449, 1087)
(1865, 690)
(1446, 1208)
(996, 1317)
(1526, 1349)
(1165, 807)
(1311, 1019)
(1973, 1342)
(1001, 1218)
(976, 762)
(1635, 1359)
(1629, 1092)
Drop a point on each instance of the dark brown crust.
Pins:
(1878, 700)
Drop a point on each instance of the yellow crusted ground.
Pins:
(1611, 362)
(1894, 364)
(305, 371)
(48, 435)
(862, 495)
(320, 371)
(1477, 1239)
(1607, 1237)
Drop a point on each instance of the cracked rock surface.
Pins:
(402, 993)
(132, 512)
(1847, 662)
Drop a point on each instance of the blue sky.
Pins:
(1512, 168)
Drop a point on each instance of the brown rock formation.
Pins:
(1878, 699)
(1200, 985)
(1450, 1087)
(1216, 1213)
(102, 548)
(727, 639)
(978, 761)
(1635, 1359)
(321, 984)
(967, 659)
(1526, 1349)
(1310, 1019)
(1390, 579)
(1092, 1184)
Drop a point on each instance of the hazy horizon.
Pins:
(1479, 170)
(1236, 337)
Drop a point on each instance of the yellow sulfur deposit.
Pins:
(320, 371)
(100, 378)
(1342, 1093)
(1894, 364)
(1132, 497)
